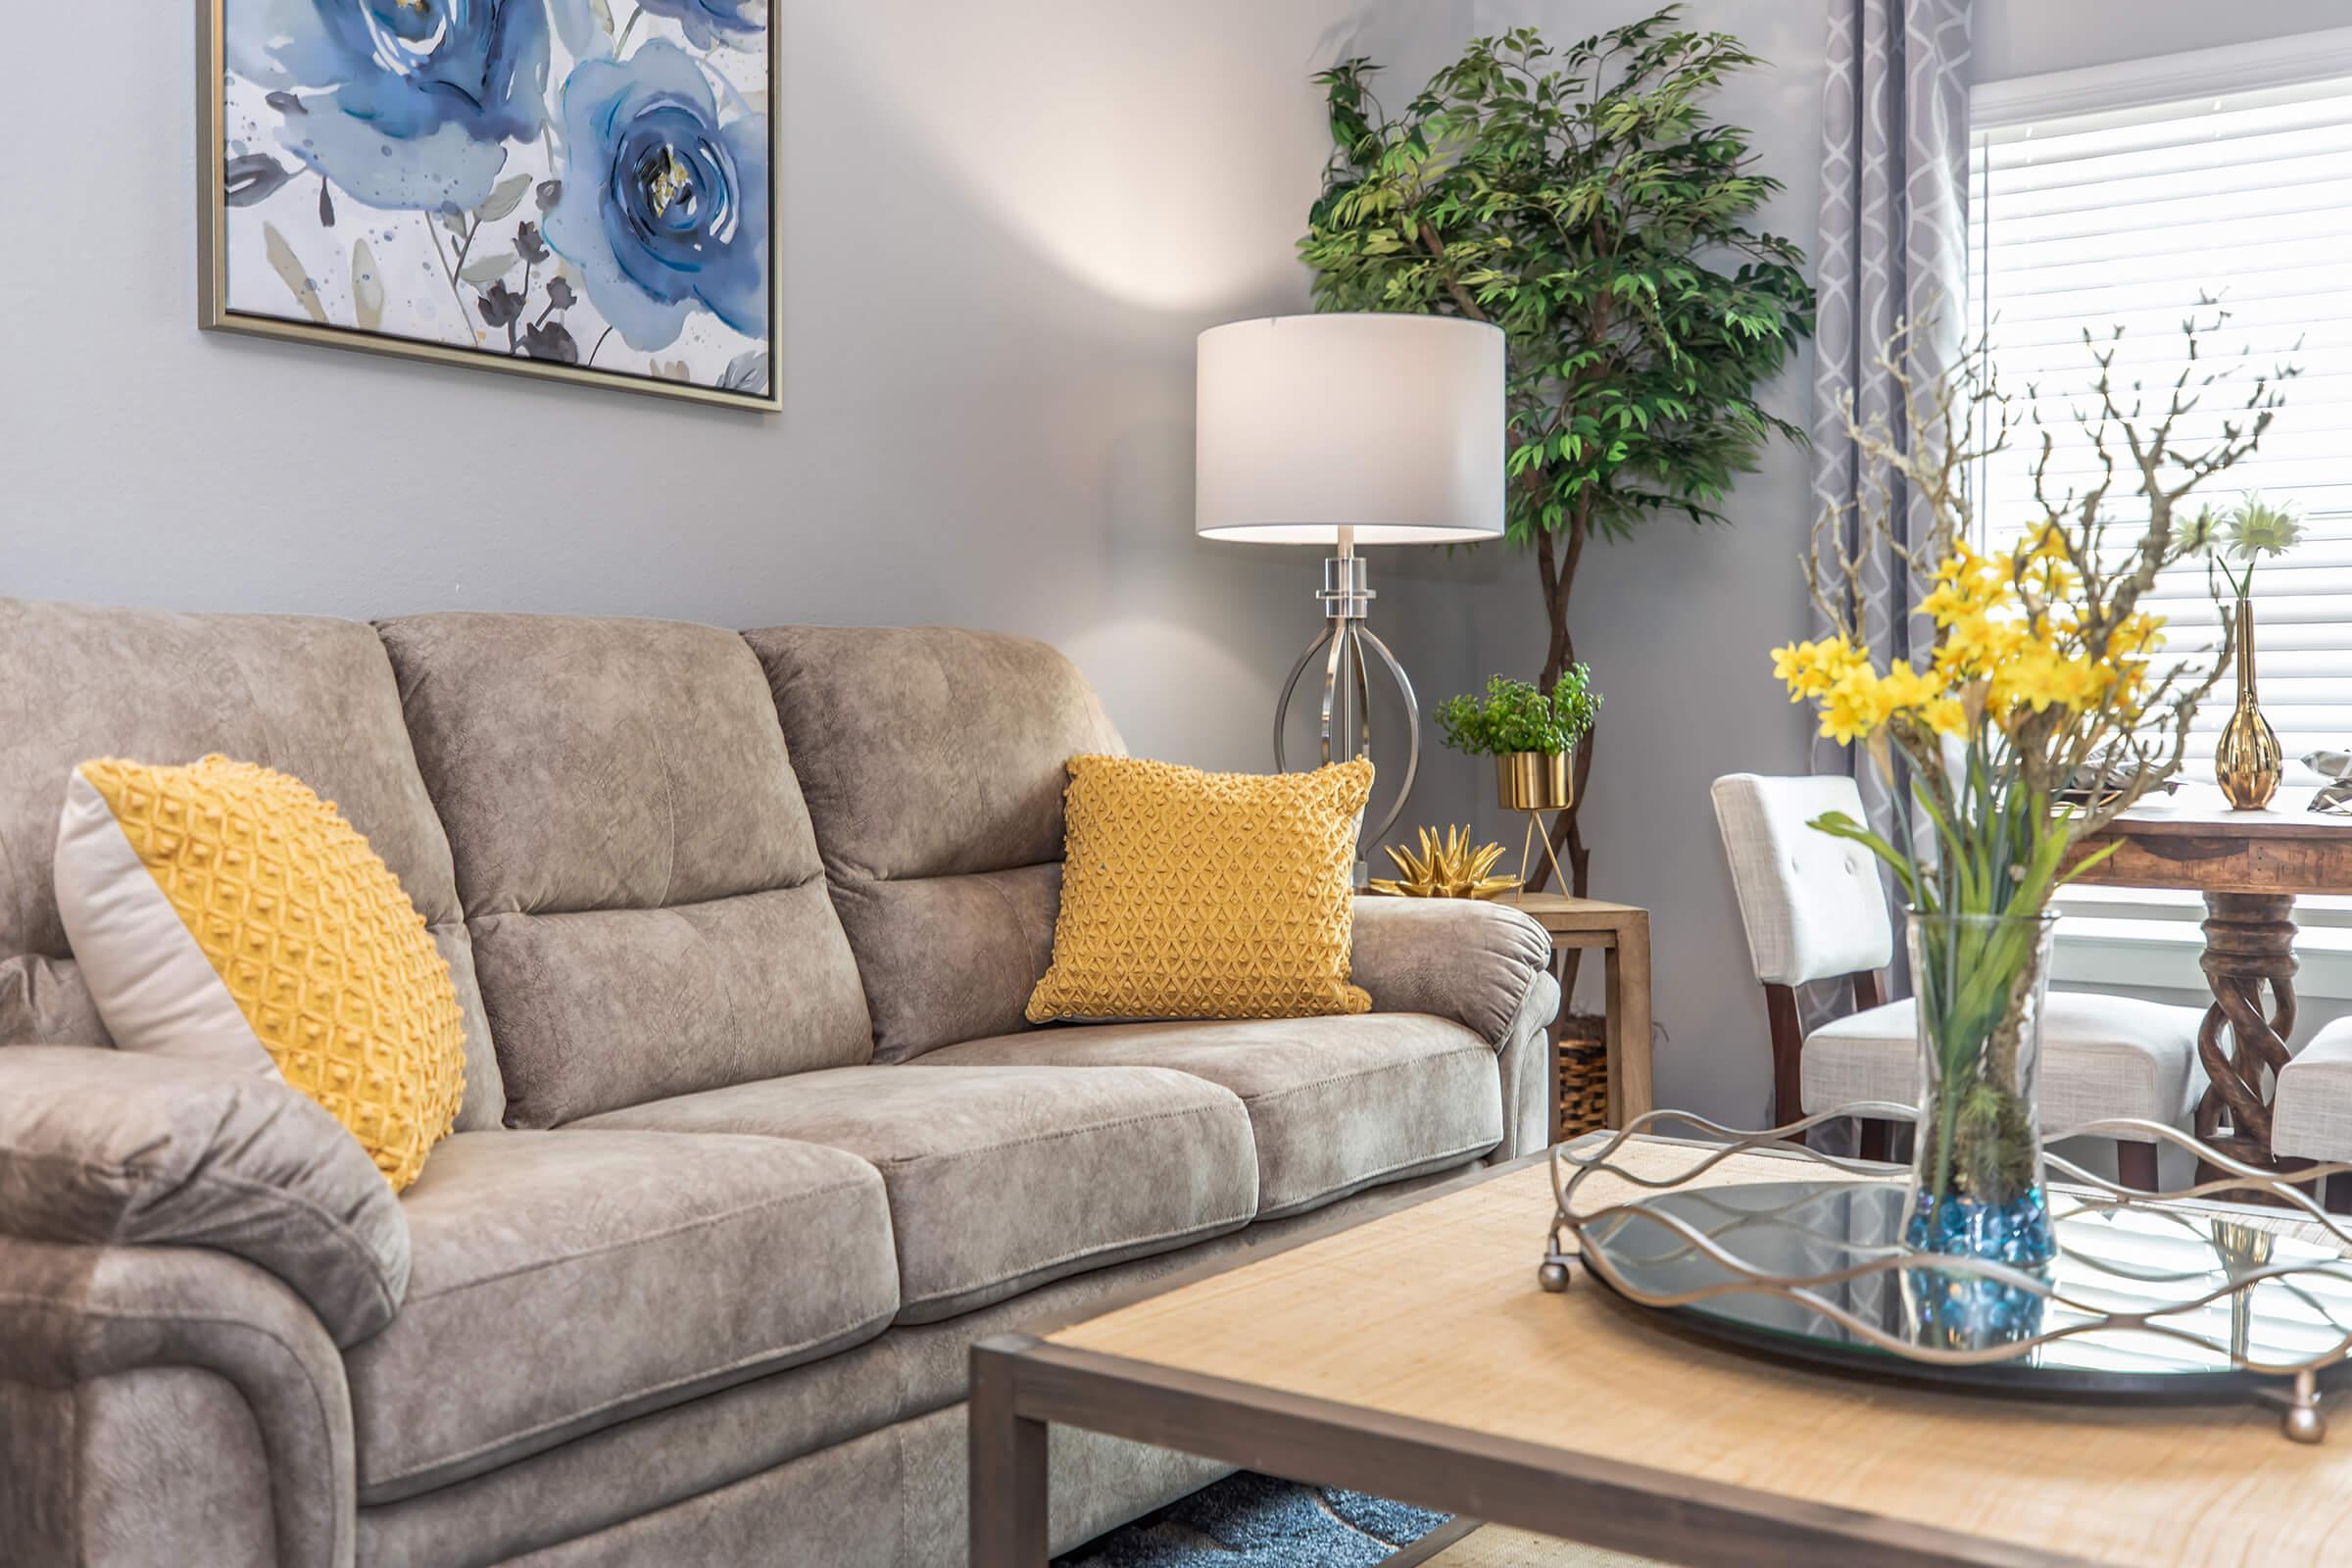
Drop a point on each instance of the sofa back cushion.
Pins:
(933, 762)
(647, 910)
(308, 696)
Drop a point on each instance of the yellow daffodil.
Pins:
(1902, 691)
(2052, 581)
(1966, 583)
(1812, 668)
(1945, 603)
(2010, 643)
(1946, 715)
(2041, 677)
(2139, 633)
(2048, 545)
(1977, 643)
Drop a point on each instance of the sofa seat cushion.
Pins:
(1001, 1178)
(1336, 1104)
(564, 1281)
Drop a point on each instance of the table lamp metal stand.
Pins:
(1347, 717)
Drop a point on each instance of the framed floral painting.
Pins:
(582, 189)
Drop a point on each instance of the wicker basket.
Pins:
(1584, 1086)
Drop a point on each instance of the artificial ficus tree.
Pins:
(1583, 201)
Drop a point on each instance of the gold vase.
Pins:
(1539, 781)
(2247, 760)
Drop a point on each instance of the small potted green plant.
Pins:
(1531, 735)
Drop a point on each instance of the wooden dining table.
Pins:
(2250, 867)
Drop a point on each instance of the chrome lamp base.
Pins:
(1347, 711)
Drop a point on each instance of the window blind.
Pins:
(2126, 215)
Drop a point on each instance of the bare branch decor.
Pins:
(2047, 670)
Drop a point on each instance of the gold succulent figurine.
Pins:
(1445, 868)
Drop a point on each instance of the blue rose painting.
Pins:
(577, 182)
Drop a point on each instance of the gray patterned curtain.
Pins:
(1894, 247)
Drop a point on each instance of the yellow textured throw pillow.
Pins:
(1191, 894)
(224, 910)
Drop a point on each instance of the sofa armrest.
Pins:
(1529, 1089)
(167, 1405)
(110, 1148)
(1469, 961)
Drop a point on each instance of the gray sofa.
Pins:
(755, 1141)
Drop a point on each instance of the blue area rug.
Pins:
(1252, 1521)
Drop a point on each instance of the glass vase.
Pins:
(1976, 1178)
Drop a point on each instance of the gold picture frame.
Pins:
(214, 312)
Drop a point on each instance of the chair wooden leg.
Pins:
(2135, 1165)
(1877, 1138)
(2336, 1195)
(1787, 1050)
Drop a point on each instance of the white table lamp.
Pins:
(1347, 430)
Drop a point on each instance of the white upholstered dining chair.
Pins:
(1815, 910)
(2311, 1114)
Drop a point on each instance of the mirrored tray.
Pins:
(2150, 1298)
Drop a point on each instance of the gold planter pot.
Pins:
(1536, 782)
(2246, 760)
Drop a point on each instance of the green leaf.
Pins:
(1839, 825)
(1514, 715)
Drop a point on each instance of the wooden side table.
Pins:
(1622, 933)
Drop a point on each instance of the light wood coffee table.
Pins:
(1412, 1356)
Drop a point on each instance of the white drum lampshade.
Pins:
(1392, 425)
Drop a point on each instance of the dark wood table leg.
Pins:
(1007, 1452)
(2249, 944)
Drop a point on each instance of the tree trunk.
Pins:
(1558, 575)
(1559, 581)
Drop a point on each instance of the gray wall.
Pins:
(1005, 224)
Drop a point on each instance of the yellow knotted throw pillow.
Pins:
(1193, 895)
(222, 910)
